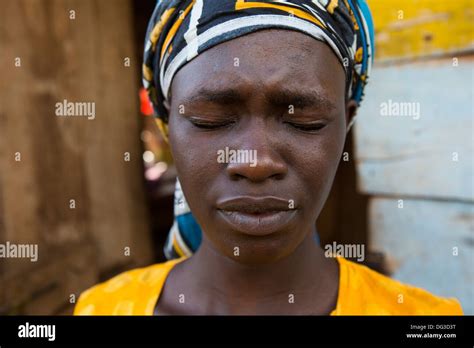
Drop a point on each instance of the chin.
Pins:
(260, 250)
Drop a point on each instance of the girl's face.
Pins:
(278, 95)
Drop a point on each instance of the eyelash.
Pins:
(210, 125)
(302, 127)
(307, 127)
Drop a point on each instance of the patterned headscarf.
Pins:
(180, 30)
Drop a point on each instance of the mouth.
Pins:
(256, 216)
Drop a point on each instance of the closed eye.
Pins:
(210, 125)
(307, 127)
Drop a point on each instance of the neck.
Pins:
(291, 284)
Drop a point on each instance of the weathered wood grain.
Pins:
(429, 156)
(407, 29)
(429, 244)
(64, 158)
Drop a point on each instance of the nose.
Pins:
(262, 148)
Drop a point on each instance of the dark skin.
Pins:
(286, 100)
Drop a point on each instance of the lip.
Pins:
(256, 216)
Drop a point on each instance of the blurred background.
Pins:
(96, 196)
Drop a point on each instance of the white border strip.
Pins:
(191, 34)
(243, 22)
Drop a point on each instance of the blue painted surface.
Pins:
(419, 241)
(402, 155)
(413, 157)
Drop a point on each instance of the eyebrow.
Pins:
(218, 96)
(281, 97)
(299, 99)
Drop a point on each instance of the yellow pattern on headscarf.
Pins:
(242, 4)
(163, 127)
(359, 55)
(147, 73)
(175, 28)
(155, 34)
(332, 6)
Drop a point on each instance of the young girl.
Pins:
(281, 80)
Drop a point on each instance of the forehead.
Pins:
(266, 59)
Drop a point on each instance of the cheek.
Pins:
(194, 159)
(316, 163)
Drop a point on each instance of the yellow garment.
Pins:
(361, 292)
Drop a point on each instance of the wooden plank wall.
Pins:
(427, 153)
(418, 168)
(429, 243)
(407, 29)
(79, 56)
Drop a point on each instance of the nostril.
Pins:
(264, 169)
(278, 176)
(236, 176)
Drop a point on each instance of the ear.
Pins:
(351, 111)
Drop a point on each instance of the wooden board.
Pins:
(79, 59)
(51, 285)
(407, 29)
(420, 241)
(429, 156)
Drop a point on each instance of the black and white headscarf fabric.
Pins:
(180, 30)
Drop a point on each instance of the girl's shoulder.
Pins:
(363, 291)
(133, 292)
